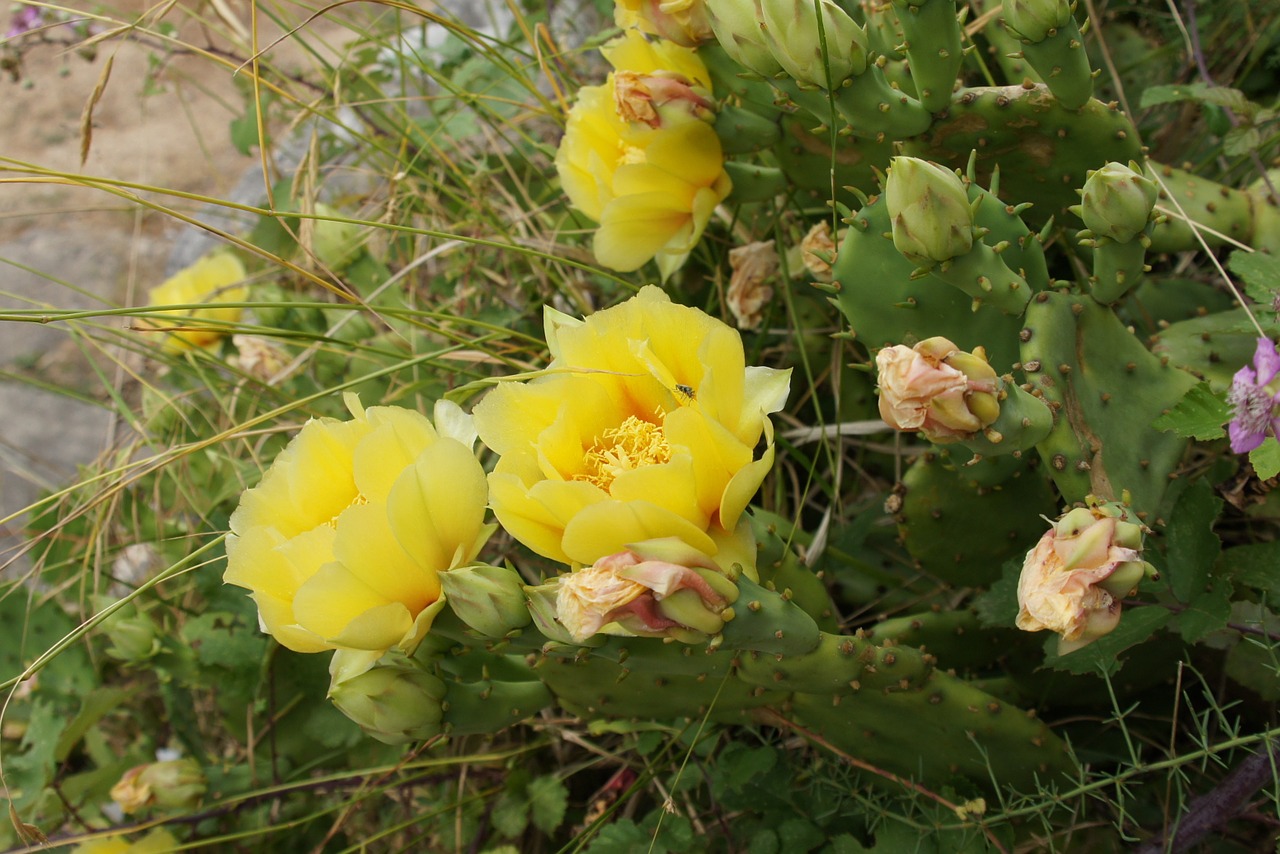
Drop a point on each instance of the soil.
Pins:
(161, 122)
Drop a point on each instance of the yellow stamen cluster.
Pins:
(633, 444)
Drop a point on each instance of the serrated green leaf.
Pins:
(1225, 96)
(999, 605)
(548, 799)
(764, 842)
(1265, 459)
(623, 836)
(1192, 545)
(1170, 94)
(1253, 566)
(1238, 141)
(741, 765)
(1102, 657)
(844, 844)
(510, 814)
(1256, 666)
(1261, 273)
(797, 834)
(1199, 415)
(1207, 613)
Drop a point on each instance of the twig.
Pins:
(1215, 808)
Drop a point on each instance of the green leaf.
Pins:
(764, 842)
(844, 844)
(1265, 459)
(1102, 657)
(1261, 273)
(548, 799)
(97, 705)
(623, 836)
(1207, 613)
(510, 814)
(1245, 139)
(1192, 546)
(1171, 94)
(999, 605)
(1254, 566)
(1199, 415)
(244, 132)
(798, 834)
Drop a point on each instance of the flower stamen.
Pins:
(633, 444)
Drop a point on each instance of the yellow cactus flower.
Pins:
(343, 541)
(640, 157)
(215, 279)
(644, 427)
(684, 22)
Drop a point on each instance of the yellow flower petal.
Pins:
(609, 527)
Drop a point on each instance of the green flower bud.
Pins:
(1118, 201)
(737, 25)
(134, 638)
(796, 38)
(489, 599)
(335, 244)
(174, 784)
(929, 211)
(1036, 20)
(395, 703)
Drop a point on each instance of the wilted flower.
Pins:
(172, 784)
(818, 251)
(343, 541)
(213, 280)
(684, 22)
(258, 357)
(672, 590)
(938, 389)
(1074, 578)
(644, 426)
(754, 266)
(640, 156)
(1253, 398)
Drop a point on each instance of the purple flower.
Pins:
(1253, 406)
(24, 20)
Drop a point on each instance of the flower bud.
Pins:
(174, 784)
(1036, 20)
(395, 703)
(1117, 202)
(929, 211)
(630, 594)
(134, 637)
(938, 389)
(1073, 579)
(335, 244)
(737, 26)
(795, 37)
(489, 599)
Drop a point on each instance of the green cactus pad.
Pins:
(962, 534)
(885, 306)
(1042, 148)
(1107, 389)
